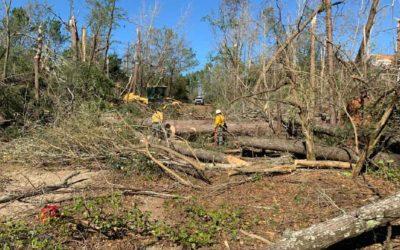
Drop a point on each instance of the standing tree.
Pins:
(7, 31)
(111, 22)
(329, 59)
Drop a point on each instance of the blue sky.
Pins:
(199, 34)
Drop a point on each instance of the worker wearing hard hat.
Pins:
(157, 120)
(219, 128)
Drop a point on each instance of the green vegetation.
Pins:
(386, 170)
(106, 216)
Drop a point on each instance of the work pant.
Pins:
(157, 130)
(219, 136)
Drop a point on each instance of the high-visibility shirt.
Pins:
(219, 121)
(158, 117)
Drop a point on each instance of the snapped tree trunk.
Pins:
(297, 147)
(325, 234)
(198, 127)
(367, 31)
(133, 84)
(84, 43)
(329, 59)
(308, 117)
(108, 38)
(398, 44)
(74, 38)
(93, 49)
(37, 60)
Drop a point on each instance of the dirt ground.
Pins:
(270, 206)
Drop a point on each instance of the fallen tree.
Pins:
(298, 147)
(184, 128)
(349, 225)
(206, 155)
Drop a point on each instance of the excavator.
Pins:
(154, 95)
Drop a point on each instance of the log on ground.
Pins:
(206, 155)
(325, 234)
(298, 147)
(323, 164)
(183, 128)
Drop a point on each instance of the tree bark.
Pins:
(133, 85)
(84, 43)
(74, 38)
(190, 127)
(367, 31)
(325, 234)
(297, 147)
(312, 59)
(329, 58)
(206, 155)
(37, 61)
(323, 164)
(95, 42)
(108, 38)
(398, 44)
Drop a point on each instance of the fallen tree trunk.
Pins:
(298, 147)
(284, 169)
(320, 128)
(323, 164)
(349, 225)
(184, 128)
(206, 155)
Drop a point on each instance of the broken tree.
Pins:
(349, 225)
(297, 147)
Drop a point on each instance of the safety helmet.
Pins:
(218, 111)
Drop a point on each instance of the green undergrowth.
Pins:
(107, 217)
(386, 170)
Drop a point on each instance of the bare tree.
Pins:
(367, 31)
(73, 29)
(108, 37)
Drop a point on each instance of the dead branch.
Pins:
(168, 170)
(44, 190)
(254, 236)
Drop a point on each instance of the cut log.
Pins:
(207, 155)
(184, 128)
(298, 147)
(284, 169)
(323, 164)
(325, 234)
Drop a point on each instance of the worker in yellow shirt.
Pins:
(219, 128)
(157, 120)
